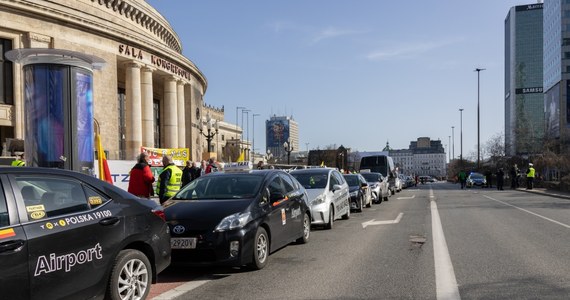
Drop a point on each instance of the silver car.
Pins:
(378, 186)
(328, 194)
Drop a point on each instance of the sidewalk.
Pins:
(547, 192)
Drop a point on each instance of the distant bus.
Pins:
(378, 163)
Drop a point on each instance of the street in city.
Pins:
(433, 241)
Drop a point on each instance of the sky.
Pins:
(356, 73)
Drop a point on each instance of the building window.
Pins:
(122, 124)
(156, 114)
(6, 80)
(223, 137)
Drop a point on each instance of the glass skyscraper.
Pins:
(524, 99)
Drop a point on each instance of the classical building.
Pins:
(147, 94)
(423, 157)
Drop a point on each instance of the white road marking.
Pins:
(445, 282)
(414, 196)
(530, 212)
(374, 222)
(180, 290)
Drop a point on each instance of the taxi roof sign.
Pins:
(242, 166)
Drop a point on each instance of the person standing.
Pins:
(211, 166)
(530, 172)
(19, 161)
(169, 180)
(462, 178)
(514, 177)
(195, 171)
(203, 167)
(500, 179)
(187, 173)
(141, 178)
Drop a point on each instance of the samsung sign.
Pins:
(529, 7)
(531, 90)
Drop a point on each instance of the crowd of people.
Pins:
(170, 179)
(515, 176)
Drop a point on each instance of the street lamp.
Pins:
(209, 126)
(478, 70)
(288, 148)
(461, 136)
(253, 136)
(238, 108)
(449, 148)
(453, 141)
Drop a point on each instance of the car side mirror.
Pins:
(336, 187)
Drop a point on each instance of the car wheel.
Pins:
(261, 249)
(130, 276)
(347, 215)
(329, 225)
(306, 230)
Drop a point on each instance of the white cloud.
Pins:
(409, 51)
(332, 32)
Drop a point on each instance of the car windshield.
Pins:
(312, 180)
(476, 176)
(371, 177)
(352, 180)
(234, 186)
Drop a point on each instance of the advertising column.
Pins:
(58, 101)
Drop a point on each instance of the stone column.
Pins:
(147, 107)
(170, 107)
(181, 115)
(134, 114)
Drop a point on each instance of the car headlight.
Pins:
(354, 194)
(235, 221)
(320, 199)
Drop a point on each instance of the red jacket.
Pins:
(140, 182)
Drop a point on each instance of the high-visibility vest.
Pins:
(530, 172)
(174, 183)
(18, 163)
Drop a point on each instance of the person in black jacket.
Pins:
(500, 179)
(187, 173)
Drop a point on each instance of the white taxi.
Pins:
(328, 194)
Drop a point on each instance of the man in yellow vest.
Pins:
(169, 180)
(19, 161)
(530, 176)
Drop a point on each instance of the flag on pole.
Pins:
(104, 172)
(241, 156)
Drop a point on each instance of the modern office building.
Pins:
(524, 100)
(147, 93)
(278, 130)
(556, 72)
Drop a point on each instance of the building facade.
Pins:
(524, 100)
(147, 94)
(278, 130)
(423, 157)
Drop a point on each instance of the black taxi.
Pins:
(237, 217)
(67, 235)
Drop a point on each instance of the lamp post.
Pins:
(449, 148)
(238, 108)
(253, 136)
(453, 141)
(478, 70)
(461, 136)
(209, 126)
(288, 148)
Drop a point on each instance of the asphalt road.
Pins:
(433, 241)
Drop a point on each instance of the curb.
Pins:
(546, 193)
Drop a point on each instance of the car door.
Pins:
(71, 236)
(278, 212)
(342, 204)
(294, 212)
(14, 280)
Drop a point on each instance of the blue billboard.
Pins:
(277, 132)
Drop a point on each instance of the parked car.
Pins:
(328, 194)
(378, 186)
(476, 179)
(68, 235)
(237, 218)
(360, 195)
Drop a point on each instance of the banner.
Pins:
(179, 155)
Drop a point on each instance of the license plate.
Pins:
(183, 243)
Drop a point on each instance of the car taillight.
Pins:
(159, 213)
